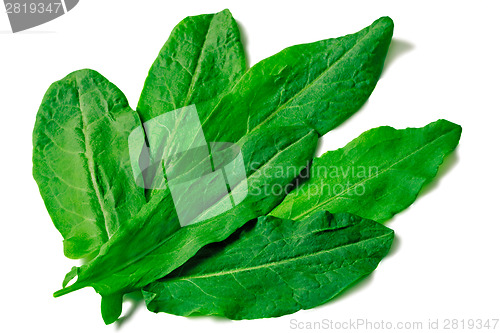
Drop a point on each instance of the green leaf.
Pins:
(273, 267)
(111, 308)
(70, 276)
(303, 85)
(201, 60)
(276, 128)
(316, 85)
(154, 245)
(376, 175)
(81, 161)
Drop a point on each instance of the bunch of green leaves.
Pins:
(275, 252)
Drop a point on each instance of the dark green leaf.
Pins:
(274, 267)
(316, 85)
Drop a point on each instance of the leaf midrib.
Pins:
(277, 263)
(196, 72)
(90, 164)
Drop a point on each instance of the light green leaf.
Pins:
(81, 162)
(376, 175)
(154, 245)
(111, 308)
(199, 63)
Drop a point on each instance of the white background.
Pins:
(443, 63)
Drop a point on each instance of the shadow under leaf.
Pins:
(449, 162)
(397, 48)
(137, 301)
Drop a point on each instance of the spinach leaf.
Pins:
(376, 175)
(81, 162)
(201, 60)
(234, 278)
(74, 163)
(340, 72)
(111, 307)
(273, 267)
(316, 85)
(153, 246)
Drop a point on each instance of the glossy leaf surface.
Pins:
(376, 175)
(273, 267)
(81, 162)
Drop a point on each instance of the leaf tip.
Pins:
(449, 125)
(386, 20)
(111, 308)
(386, 26)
